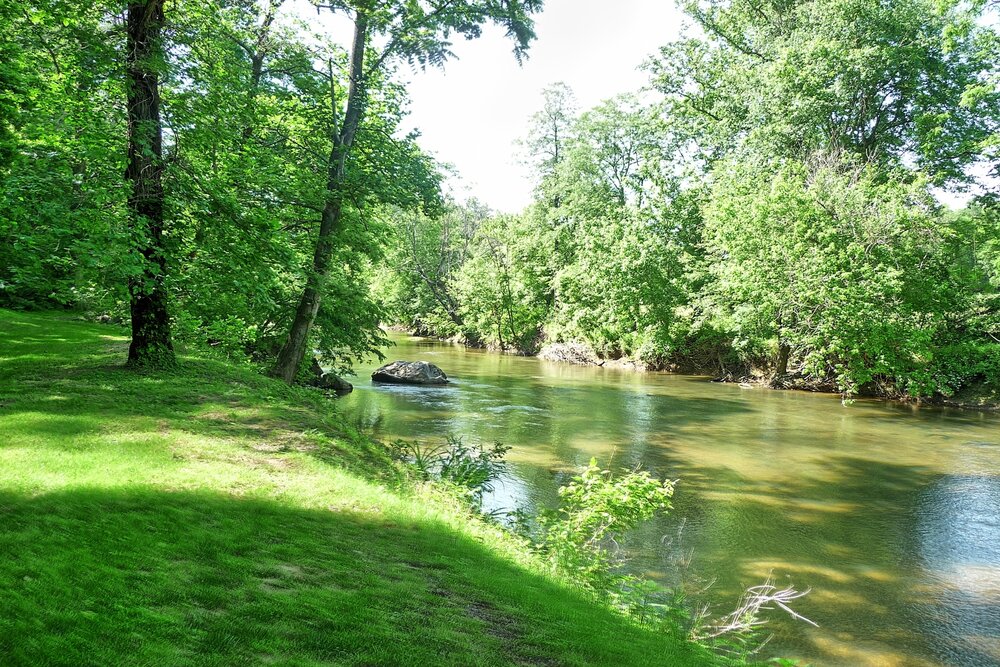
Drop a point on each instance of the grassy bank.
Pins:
(210, 516)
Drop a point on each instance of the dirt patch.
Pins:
(494, 622)
(291, 570)
(497, 624)
(285, 578)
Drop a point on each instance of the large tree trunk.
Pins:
(151, 346)
(294, 350)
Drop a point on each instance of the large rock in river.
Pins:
(410, 372)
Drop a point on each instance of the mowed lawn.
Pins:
(211, 516)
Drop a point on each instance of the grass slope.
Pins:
(210, 516)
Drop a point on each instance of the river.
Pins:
(889, 513)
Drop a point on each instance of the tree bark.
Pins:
(294, 349)
(151, 345)
(781, 368)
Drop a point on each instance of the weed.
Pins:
(473, 470)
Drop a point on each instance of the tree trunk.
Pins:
(294, 350)
(151, 345)
(781, 368)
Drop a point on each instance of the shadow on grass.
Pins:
(71, 381)
(169, 578)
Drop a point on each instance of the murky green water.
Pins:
(890, 514)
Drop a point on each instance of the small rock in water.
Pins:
(410, 372)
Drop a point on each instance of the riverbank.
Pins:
(211, 515)
(871, 506)
(981, 396)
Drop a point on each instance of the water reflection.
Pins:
(959, 531)
(888, 512)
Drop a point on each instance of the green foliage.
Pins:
(550, 132)
(838, 263)
(256, 112)
(62, 235)
(568, 268)
(595, 511)
(600, 301)
(471, 469)
(416, 283)
(248, 112)
(770, 210)
(580, 540)
(966, 364)
(834, 265)
(249, 266)
(881, 81)
(502, 287)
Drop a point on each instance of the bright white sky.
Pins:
(472, 113)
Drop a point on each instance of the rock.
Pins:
(410, 372)
(336, 383)
(325, 380)
(570, 353)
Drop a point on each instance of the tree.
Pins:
(617, 152)
(63, 237)
(417, 281)
(502, 285)
(616, 288)
(250, 103)
(11, 84)
(832, 264)
(887, 81)
(549, 132)
(151, 345)
(415, 32)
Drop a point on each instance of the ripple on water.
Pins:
(959, 534)
(890, 513)
(514, 408)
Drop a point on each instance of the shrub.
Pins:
(581, 537)
(471, 469)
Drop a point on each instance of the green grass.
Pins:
(211, 516)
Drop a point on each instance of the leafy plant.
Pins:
(581, 537)
(581, 541)
(473, 470)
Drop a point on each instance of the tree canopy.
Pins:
(221, 174)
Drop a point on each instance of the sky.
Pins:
(472, 113)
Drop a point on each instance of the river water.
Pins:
(889, 513)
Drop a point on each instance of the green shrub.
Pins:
(596, 511)
(470, 469)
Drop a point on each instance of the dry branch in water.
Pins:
(756, 599)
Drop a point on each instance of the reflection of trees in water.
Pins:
(848, 501)
(959, 546)
(846, 533)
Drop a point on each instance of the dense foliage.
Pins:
(770, 206)
(217, 162)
